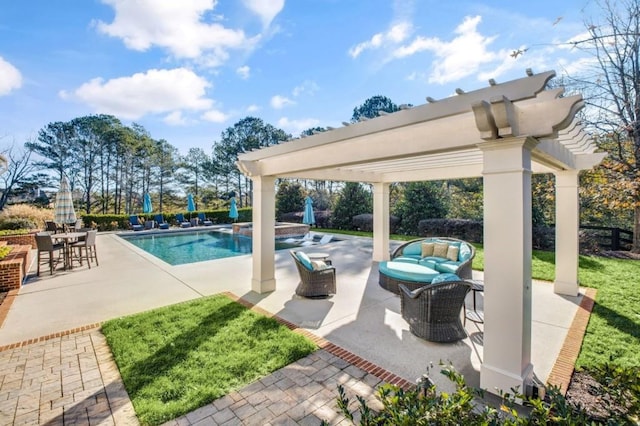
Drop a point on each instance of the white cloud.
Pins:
(215, 116)
(177, 26)
(307, 87)
(457, 58)
(265, 9)
(279, 102)
(152, 92)
(295, 127)
(244, 72)
(253, 108)
(11, 77)
(394, 35)
(175, 118)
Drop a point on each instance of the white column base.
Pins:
(566, 288)
(264, 286)
(493, 379)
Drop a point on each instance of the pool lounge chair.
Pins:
(135, 224)
(160, 222)
(182, 221)
(204, 220)
(324, 240)
(307, 237)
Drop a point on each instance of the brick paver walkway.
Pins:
(70, 379)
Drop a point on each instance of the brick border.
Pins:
(6, 304)
(50, 336)
(562, 370)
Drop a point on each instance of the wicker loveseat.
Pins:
(417, 262)
(316, 278)
(433, 311)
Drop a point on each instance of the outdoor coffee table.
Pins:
(474, 315)
(320, 256)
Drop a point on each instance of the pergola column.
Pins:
(380, 221)
(507, 264)
(264, 217)
(567, 227)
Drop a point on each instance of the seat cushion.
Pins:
(448, 267)
(434, 259)
(407, 259)
(413, 249)
(407, 271)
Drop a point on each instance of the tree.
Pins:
(18, 174)
(372, 106)
(247, 134)
(421, 200)
(290, 198)
(194, 164)
(353, 199)
(612, 92)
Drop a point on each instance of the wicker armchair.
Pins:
(433, 311)
(314, 283)
(464, 271)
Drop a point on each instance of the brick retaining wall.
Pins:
(13, 268)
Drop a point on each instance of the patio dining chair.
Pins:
(87, 248)
(433, 311)
(45, 246)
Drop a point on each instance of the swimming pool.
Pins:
(179, 248)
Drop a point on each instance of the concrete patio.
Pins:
(361, 318)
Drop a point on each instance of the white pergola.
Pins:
(503, 133)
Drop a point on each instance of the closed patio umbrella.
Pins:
(191, 206)
(233, 210)
(308, 218)
(146, 204)
(64, 212)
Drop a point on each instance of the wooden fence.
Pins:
(611, 238)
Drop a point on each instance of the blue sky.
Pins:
(188, 69)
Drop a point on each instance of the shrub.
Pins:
(4, 251)
(15, 232)
(289, 198)
(424, 405)
(24, 215)
(354, 199)
(14, 223)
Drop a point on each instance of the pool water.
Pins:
(179, 248)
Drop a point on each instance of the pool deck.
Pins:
(361, 318)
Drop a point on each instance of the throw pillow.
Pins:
(318, 265)
(440, 249)
(465, 252)
(445, 278)
(304, 259)
(427, 249)
(452, 253)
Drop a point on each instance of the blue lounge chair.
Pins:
(204, 220)
(135, 224)
(161, 222)
(182, 221)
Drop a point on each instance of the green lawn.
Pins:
(181, 357)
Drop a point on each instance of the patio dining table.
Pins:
(68, 238)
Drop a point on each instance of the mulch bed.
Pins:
(586, 392)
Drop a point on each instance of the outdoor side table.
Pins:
(320, 256)
(473, 314)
